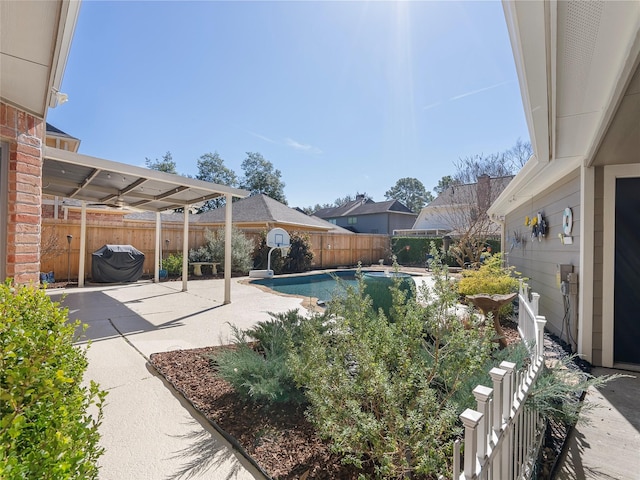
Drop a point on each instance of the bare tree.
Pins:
(50, 246)
(463, 205)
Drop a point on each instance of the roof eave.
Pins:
(69, 11)
(532, 36)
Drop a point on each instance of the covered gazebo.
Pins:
(97, 181)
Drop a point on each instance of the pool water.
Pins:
(321, 285)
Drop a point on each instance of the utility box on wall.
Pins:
(562, 274)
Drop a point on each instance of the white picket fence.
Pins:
(503, 436)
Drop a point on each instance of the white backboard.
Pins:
(278, 237)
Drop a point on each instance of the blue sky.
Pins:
(342, 97)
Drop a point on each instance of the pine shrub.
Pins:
(382, 393)
(257, 365)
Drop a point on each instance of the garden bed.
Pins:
(279, 439)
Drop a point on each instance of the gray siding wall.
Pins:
(538, 260)
(382, 223)
(376, 223)
(598, 228)
(399, 221)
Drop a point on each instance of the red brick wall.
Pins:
(24, 133)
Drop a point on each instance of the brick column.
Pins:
(25, 135)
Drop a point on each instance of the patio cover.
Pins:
(113, 184)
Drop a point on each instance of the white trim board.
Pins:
(611, 173)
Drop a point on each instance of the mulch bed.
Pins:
(280, 440)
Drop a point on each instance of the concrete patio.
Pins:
(607, 444)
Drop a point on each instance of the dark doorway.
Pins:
(626, 318)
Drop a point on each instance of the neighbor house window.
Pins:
(332, 220)
(352, 220)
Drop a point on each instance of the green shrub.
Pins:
(46, 431)
(213, 250)
(298, 258)
(261, 256)
(382, 392)
(173, 264)
(378, 287)
(491, 278)
(259, 371)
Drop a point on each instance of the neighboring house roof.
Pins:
(363, 207)
(579, 89)
(437, 215)
(51, 130)
(460, 194)
(259, 209)
(263, 209)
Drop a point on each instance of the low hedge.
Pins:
(46, 430)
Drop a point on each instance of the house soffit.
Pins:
(35, 38)
(596, 46)
(621, 143)
(118, 185)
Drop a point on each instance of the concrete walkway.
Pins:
(148, 431)
(607, 445)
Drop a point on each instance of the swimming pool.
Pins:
(319, 285)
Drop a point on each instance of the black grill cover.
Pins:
(116, 263)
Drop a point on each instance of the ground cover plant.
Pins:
(46, 431)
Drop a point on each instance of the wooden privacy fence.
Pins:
(503, 436)
(329, 249)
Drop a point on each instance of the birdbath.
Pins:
(491, 304)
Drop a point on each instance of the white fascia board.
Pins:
(534, 178)
(126, 169)
(530, 35)
(69, 10)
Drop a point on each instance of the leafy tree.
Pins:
(261, 177)
(350, 198)
(166, 165)
(316, 207)
(444, 183)
(411, 192)
(211, 168)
